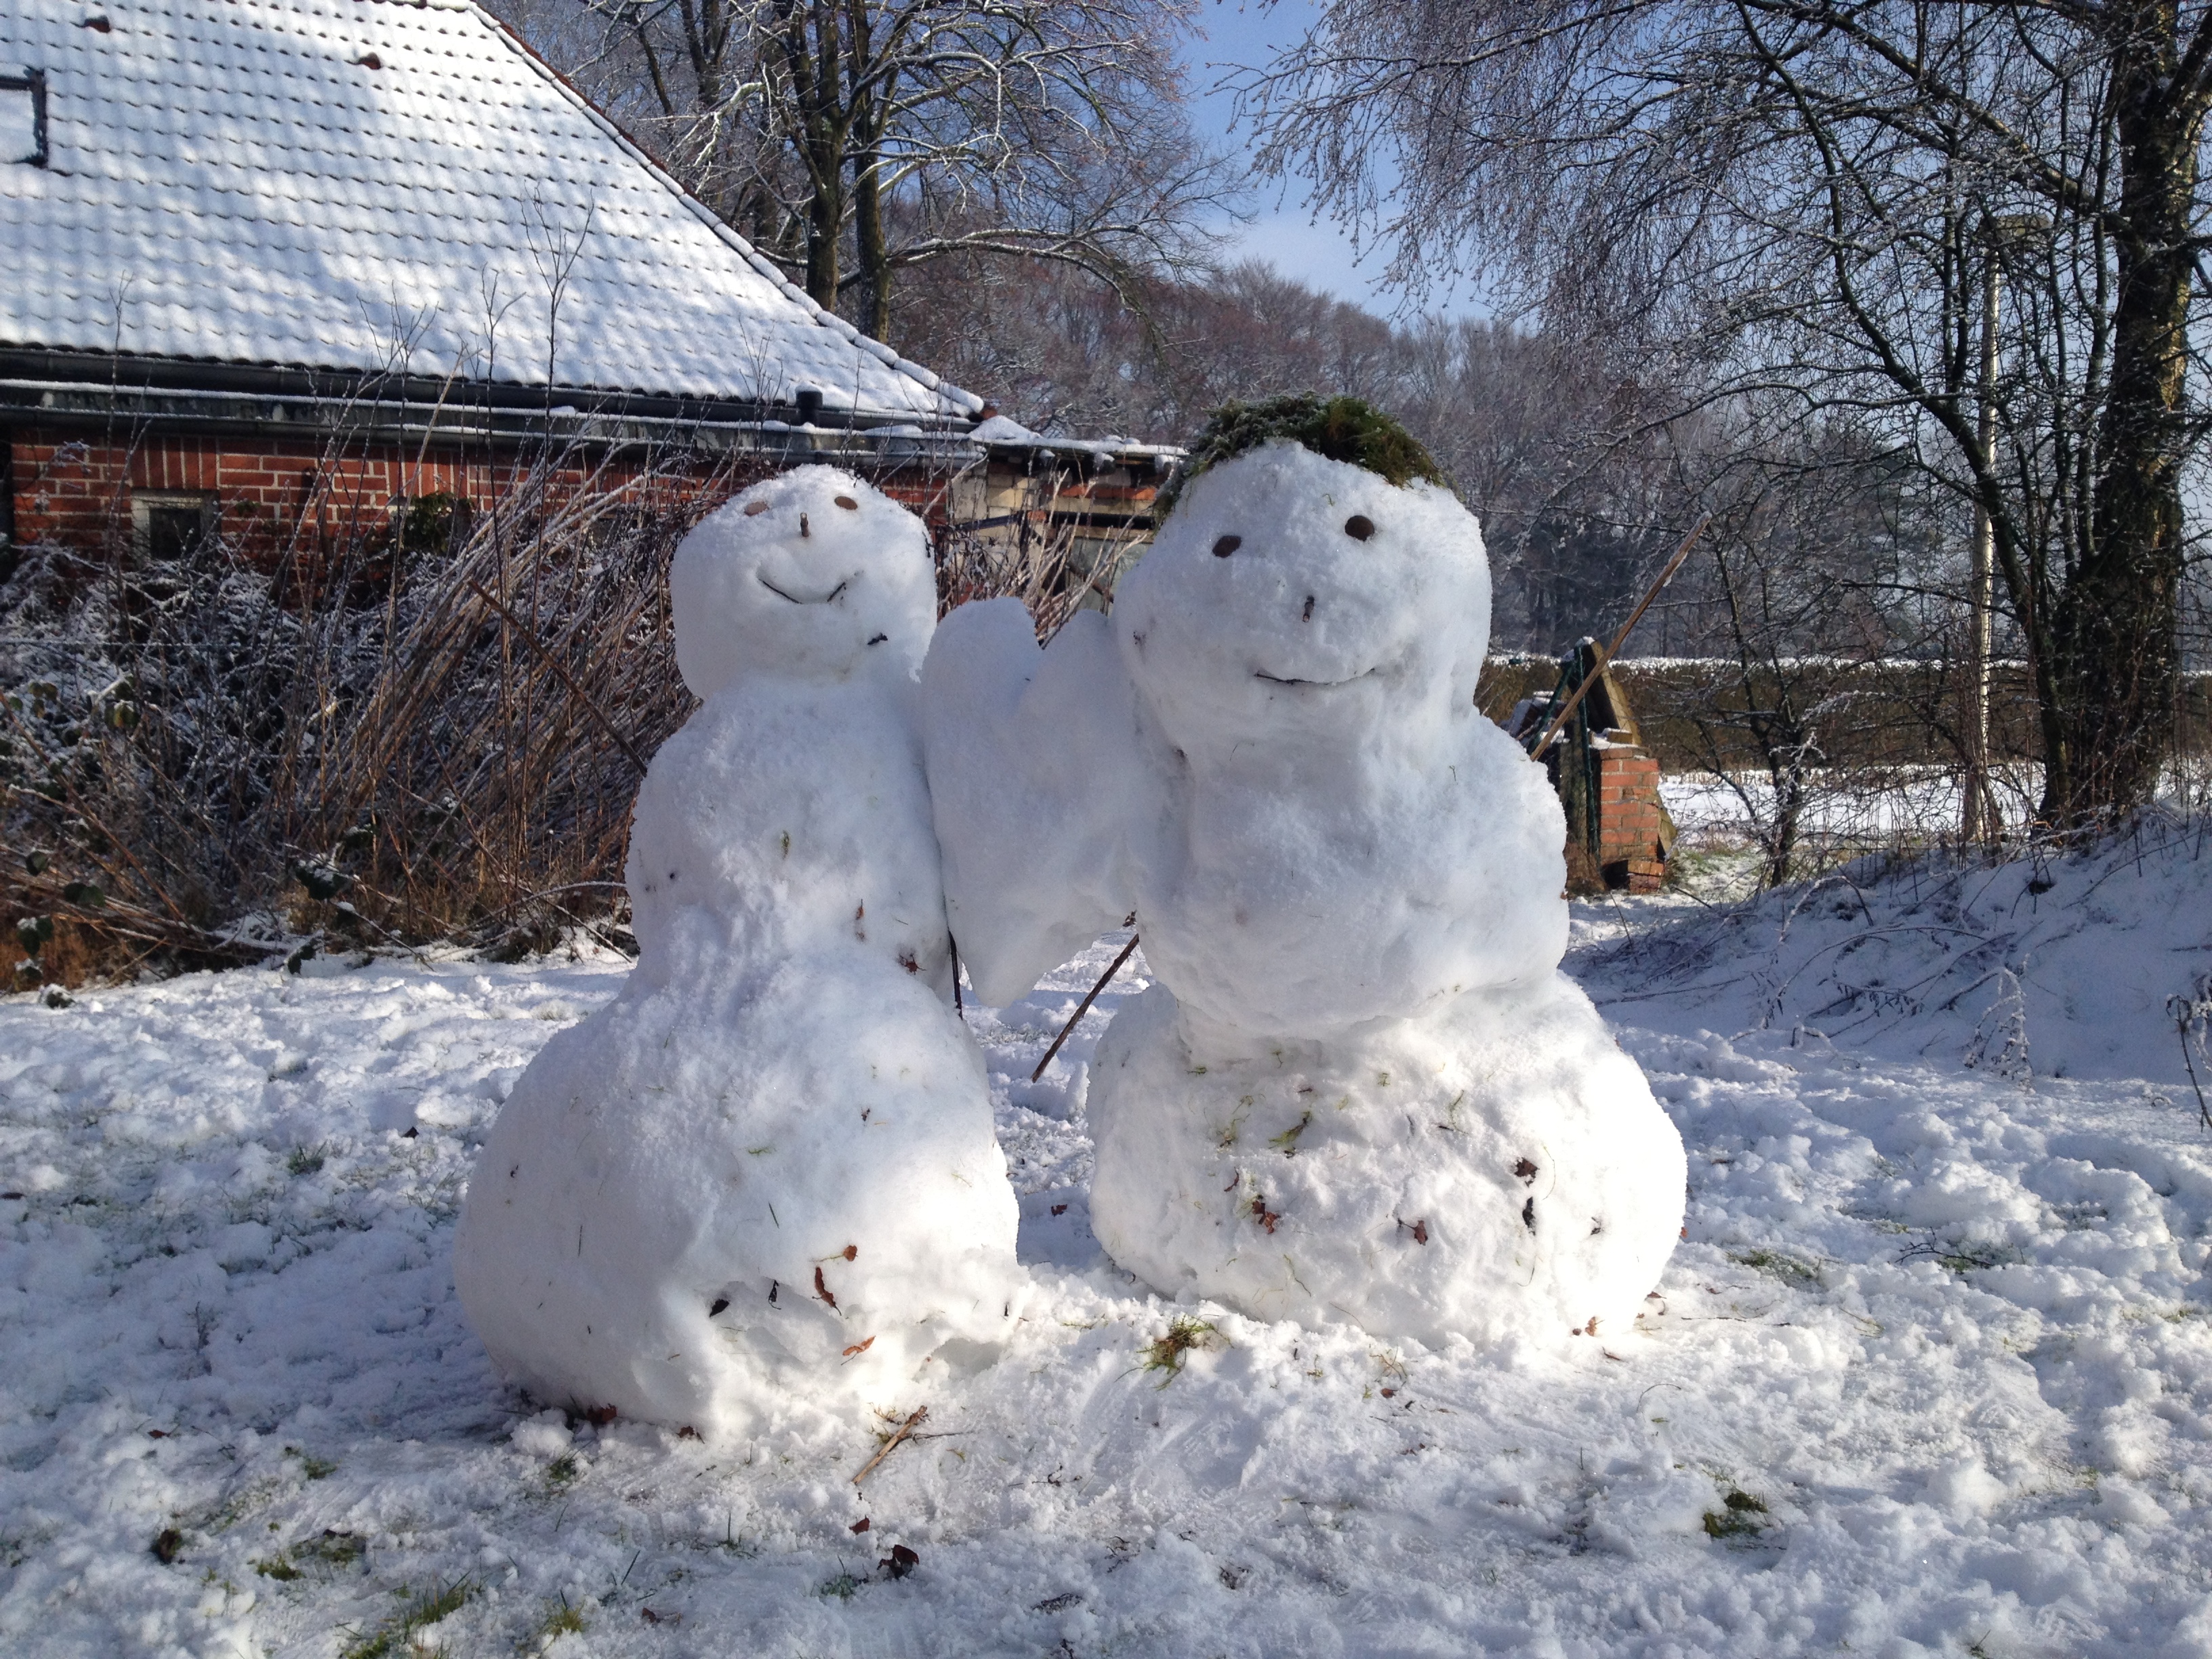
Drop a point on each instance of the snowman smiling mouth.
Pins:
(1320, 685)
(826, 598)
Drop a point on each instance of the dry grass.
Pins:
(408, 721)
(421, 742)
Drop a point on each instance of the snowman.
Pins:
(769, 1162)
(1360, 1089)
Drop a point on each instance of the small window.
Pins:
(171, 528)
(23, 117)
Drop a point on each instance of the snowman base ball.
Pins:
(694, 1206)
(1499, 1169)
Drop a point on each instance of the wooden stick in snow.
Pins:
(1610, 652)
(1104, 979)
(891, 1444)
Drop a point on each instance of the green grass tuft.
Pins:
(842, 1586)
(559, 1619)
(1167, 1353)
(332, 1549)
(1798, 1275)
(315, 1467)
(1734, 1519)
(1340, 428)
(427, 1609)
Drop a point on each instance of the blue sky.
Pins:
(1282, 229)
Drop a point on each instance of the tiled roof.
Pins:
(384, 184)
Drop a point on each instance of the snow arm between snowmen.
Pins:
(1039, 789)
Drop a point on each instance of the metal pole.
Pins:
(1975, 823)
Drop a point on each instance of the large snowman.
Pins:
(769, 1162)
(1360, 1089)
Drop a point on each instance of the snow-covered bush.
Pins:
(428, 723)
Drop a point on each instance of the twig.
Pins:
(1084, 1008)
(554, 663)
(892, 1444)
(1608, 653)
(2186, 1013)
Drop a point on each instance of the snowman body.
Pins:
(769, 1162)
(1347, 882)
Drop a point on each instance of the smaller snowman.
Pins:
(1360, 1090)
(769, 1162)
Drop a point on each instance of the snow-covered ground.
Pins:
(1856, 808)
(1931, 1371)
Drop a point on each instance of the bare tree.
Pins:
(855, 139)
(1805, 200)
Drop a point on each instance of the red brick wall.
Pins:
(1628, 818)
(274, 495)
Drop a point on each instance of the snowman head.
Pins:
(809, 575)
(1290, 598)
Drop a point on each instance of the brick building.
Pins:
(292, 268)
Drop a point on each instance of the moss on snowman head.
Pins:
(1340, 428)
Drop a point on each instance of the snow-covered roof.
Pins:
(379, 185)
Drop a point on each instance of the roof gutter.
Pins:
(125, 398)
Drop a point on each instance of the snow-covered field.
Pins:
(1931, 1371)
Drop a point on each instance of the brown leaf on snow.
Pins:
(860, 1347)
(862, 1524)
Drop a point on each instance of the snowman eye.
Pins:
(753, 509)
(1227, 546)
(849, 503)
(1359, 526)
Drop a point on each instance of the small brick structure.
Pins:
(1635, 836)
(1609, 786)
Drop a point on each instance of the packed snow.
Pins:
(767, 1166)
(1360, 1091)
(1932, 1370)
